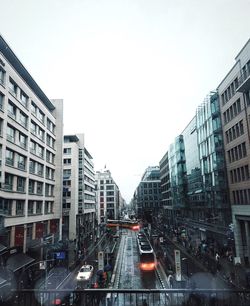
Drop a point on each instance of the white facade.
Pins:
(31, 157)
(78, 191)
(108, 198)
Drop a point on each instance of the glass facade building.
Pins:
(212, 161)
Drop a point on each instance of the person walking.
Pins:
(217, 259)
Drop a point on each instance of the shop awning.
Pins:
(2, 247)
(18, 261)
(2, 281)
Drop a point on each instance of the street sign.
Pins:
(42, 265)
(100, 260)
(177, 257)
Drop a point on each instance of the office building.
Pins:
(31, 135)
(79, 199)
(234, 96)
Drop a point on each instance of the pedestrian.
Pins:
(144, 303)
(217, 257)
(171, 281)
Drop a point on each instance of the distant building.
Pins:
(148, 196)
(108, 199)
(31, 130)
(234, 95)
(79, 198)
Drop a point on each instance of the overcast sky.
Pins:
(131, 72)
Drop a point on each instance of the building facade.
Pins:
(234, 95)
(31, 136)
(148, 195)
(79, 199)
(108, 199)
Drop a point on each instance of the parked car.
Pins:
(85, 273)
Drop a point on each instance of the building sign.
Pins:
(100, 260)
(177, 257)
(42, 265)
(59, 255)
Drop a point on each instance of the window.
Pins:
(33, 127)
(41, 134)
(66, 172)
(48, 207)
(8, 181)
(39, 188)
(32, 147)
(23, 119)
(1, 100)
(5, 207)
(24, 98)
(20, 184)
(40, 116)
(21, 162)
(40, 169)
(33, 107)
(31, 187)
(32, 166)
(22, 140)
(50, 126)
(67, 150)
(39, 205)
(11, 110)
(40, 151)
(2, 75)
(1, 127)
(67, 161)
(9, 159)
(12, 87)
(20, 207)
(31, 207)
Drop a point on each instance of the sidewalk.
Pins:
(233, 274)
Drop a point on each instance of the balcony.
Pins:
(244, 81)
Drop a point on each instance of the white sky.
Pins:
(131, 72)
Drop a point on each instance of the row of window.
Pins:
(237, 152)
(18, 184)
(151, 191)
(107, 182)
(108, 187)
(232, 111)
(235, 131)
(229, 92)
(239, 174)
(17, 137)
(241, 197)
(67, 151)
(23, 99)
(150, 185)
(38, 169)
(10, 207)
(66, 172)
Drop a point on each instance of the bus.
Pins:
(130, 224)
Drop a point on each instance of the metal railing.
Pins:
(140, 297)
